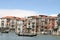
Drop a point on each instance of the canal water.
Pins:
(13, 36)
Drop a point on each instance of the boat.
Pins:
(5, 31)
(44, 33)
(28, 35)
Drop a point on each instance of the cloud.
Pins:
(53, 14)
(16, 12)
(21, 13)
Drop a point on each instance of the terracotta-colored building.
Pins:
(52, 26)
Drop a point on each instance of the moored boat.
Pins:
(27, 34)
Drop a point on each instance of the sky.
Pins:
(24, 8)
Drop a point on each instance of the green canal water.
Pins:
(13, 36)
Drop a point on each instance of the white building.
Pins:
(4, 25)
(19, 27)
(3, 22)
(31, 24)
(12, 24)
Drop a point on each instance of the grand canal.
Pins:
(13, 36)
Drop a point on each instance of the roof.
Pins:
(33, 17)
(52, 17)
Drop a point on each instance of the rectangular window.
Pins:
(33, 25)
(2, 23)
(12, 25)
(28, 23)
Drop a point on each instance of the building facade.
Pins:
(31, 24)
(4, 25)
(19, 27)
